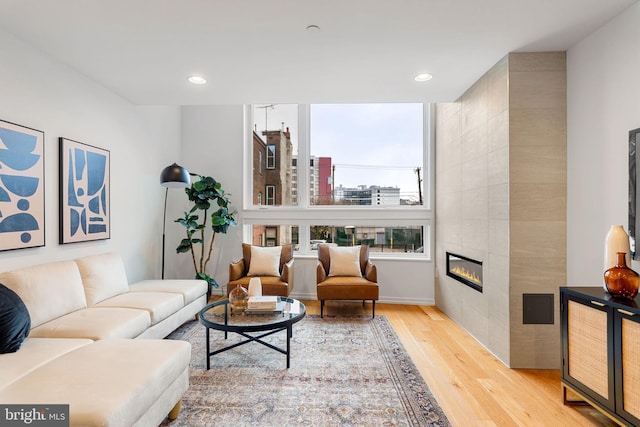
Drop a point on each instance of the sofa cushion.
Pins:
(190, 289)
(15, 322)
(35, 352)
(48, 290)
(160, 305)
(107, 383)
(103, 276)
(96, 323)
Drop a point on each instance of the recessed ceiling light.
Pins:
(313, 28)
(423, 77)
(197, 80)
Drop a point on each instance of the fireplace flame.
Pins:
(460, 271)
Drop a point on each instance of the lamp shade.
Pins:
(175, 176)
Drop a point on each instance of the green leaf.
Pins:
(184, 246)
(210, 280)
(199, 185)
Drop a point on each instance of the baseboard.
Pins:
(382, 300)
(312, 296)
(218, 291)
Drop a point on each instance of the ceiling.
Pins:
(255, 51)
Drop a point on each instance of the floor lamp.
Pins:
(173, 176)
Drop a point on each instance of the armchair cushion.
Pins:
(345, 261)
(265, 261)
(285, 256)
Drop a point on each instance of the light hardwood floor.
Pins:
(472, 386)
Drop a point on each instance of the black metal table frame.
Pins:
(271, 328)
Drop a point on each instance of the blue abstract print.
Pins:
(85, 185)
(21, 187)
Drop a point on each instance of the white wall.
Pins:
(212, 140)
(41, 93)
(603, 98)
(401, 281)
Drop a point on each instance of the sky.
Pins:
(370, 144)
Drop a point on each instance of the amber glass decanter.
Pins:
(238, 299)
(622, 281)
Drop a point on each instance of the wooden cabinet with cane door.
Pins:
(601, 351)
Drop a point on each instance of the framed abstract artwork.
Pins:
(21, 187)
(84, 192)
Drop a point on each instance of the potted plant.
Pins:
(206, 194)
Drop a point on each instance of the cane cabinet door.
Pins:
(627, 341)
(588, 349)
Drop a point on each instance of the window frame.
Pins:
(304, 214)
(271, 157)
(273, 195)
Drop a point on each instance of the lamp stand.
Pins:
(164, 225)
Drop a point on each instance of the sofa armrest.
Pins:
(236, 270)
(321, 274)
(371, 272)
(287, 274)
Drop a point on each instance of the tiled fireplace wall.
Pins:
(501, 198)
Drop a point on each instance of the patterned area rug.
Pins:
(345, 371)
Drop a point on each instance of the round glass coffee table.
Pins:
(220, 316)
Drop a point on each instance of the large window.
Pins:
(360, 170)
(357, 154)
(274, 235)
(390, 239)
(274, 137)
(366, 154)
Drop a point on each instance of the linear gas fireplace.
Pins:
(465, 270)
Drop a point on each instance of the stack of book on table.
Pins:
(264, 303)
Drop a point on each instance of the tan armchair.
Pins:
(348, 287)
(271, 285)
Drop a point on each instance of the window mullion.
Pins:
(304, 156)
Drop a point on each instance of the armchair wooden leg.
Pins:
(373, 310)
(321, 307)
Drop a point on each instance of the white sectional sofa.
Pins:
(94, 342)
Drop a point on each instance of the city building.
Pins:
(272, 181)
(367, 195)
(320, 180)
